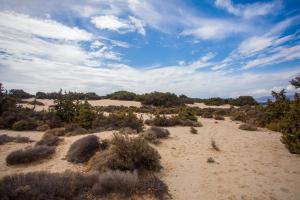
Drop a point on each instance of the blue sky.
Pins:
(199, 48)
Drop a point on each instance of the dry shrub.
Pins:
(219, 117)
(211, 160)
(193, 130)
(214, 145)
(123, 183)
(126, 154)
(238, 116)
(153, 185)
(82, 149)
(159, 132)
(57, 131)
(207, 114)
(29, 155)
(24, 125)
(45, 185)
(127, 130)
(73, 185)
(43, 127)
(150, 137)
(74, 129)
(5, 139)
(274, 126)
(248, 127)
(49, 140)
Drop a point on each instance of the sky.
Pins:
(200, 48)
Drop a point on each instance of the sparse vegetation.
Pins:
(214, 145)
(219, 117)
(5, 139)
(193, 130)
(248, 127)
(127, 153)
(74, 185)
(82, 149)
(24, 125)
(29, 155)
(49, 139)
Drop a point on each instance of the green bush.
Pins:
(118, 120)
(86, 115)
(122, 95)
(290, 127)
(24, 125)
(161, 99)
(185, 113)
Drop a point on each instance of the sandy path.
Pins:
(202, 105)
(252, 165)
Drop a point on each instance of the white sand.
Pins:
(251, 165)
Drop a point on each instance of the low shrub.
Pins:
(159, 132)
(248, 127)
(24, 125)
(29, 155)
(45, 185)
(74, 129)
(193, 130)
(153, 185)
(207, 114)
(238, 116)
(172, 121)
(150, 137)
(274, 126)
(187, 114)
(127, 154)
(219, 117)
(5, 139)
(124, 183)
(43, 127)
(73, 185)
(82, 149)
(214, 145)
(49, 139)
(118, 120)
(220, 112)
(57, 131)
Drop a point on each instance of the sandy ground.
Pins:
(250, 166)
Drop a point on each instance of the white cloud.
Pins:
(41, 27)
(249, 10)
(114, 23)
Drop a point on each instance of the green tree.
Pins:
(64, 107)
(86, 115)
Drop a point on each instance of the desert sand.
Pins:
(250, 165)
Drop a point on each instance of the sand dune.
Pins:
(250, 165)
